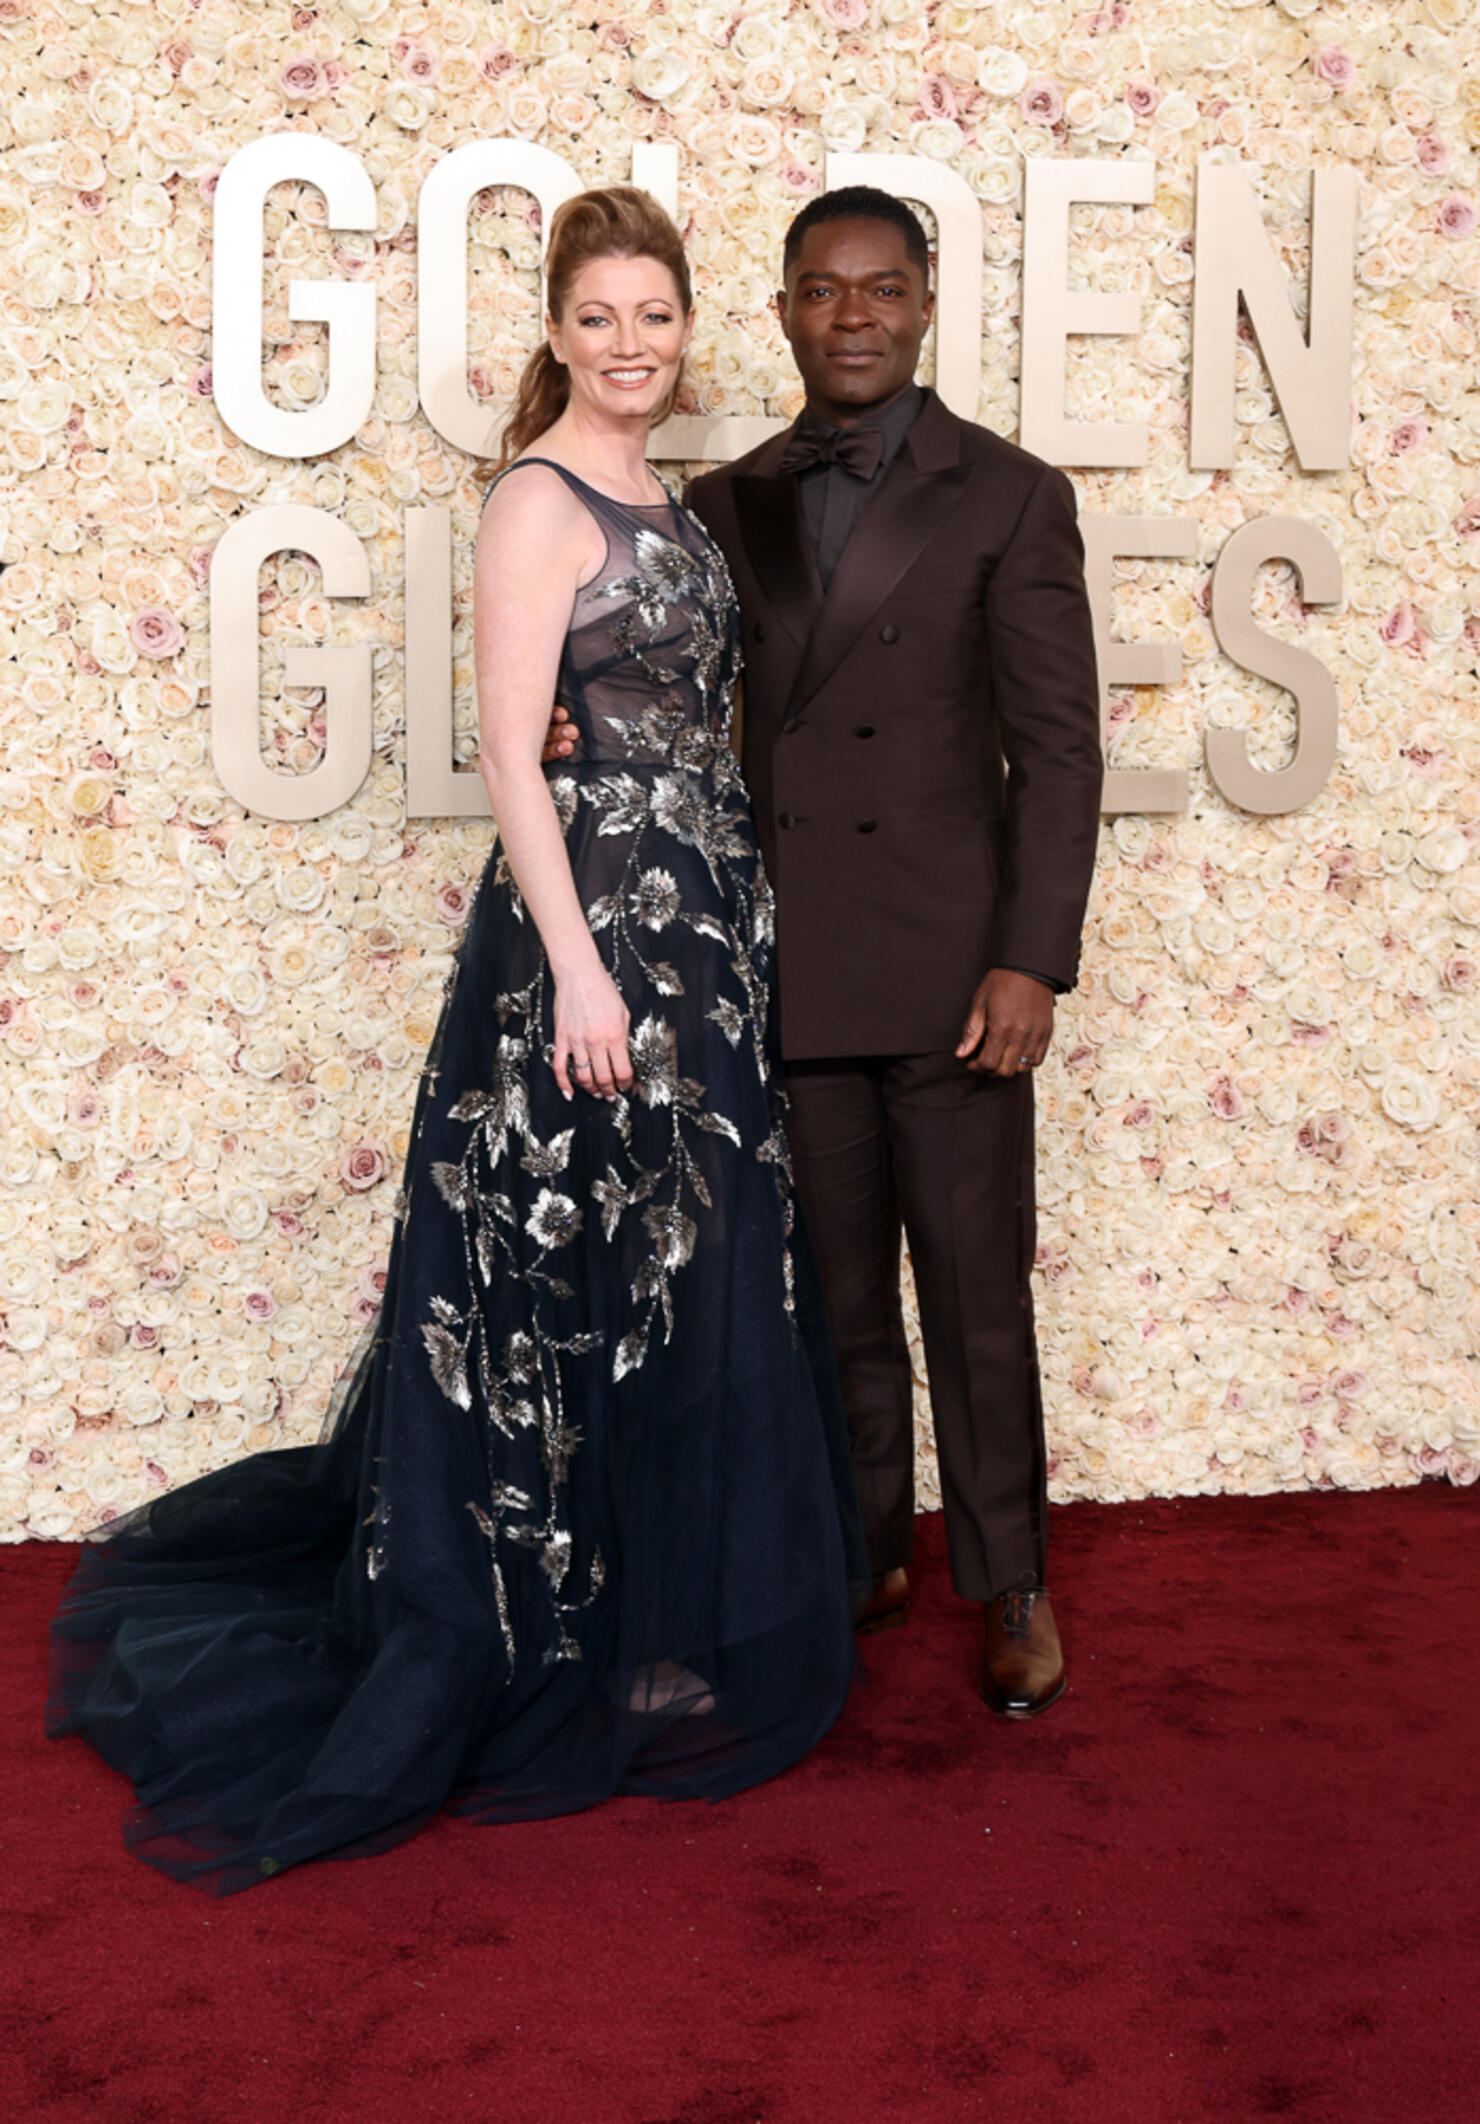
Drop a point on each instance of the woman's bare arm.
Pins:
(536, 544)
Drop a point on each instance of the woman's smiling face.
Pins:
(622, 336)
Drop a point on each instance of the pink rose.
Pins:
(1398, 627)
(259, 1305)
(208, 180)
(1332, 64)
(420, 63)
(797, 178)
(302, 80)
(1456, 216)
(1459, 975)
(157, 633)
(937, 97)
(451, 904)
(1409, 435)
(90, 202)
(1142, 97)
(1225, 1099)
(203, 383)
(843, 14)
(84, 1108)
(1040, 103)
(495, 60)
(1433, 155)
(362, 1167)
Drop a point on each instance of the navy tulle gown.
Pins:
(581, 1522)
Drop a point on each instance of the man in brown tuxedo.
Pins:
(921, 744)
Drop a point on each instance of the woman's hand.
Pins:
(591, 1023)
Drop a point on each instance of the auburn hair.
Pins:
(618, 221)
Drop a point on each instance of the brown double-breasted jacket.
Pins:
(921, 742)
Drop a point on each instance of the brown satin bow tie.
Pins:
(858, 450)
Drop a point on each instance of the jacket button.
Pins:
(867, 825)
(793, 722)
(889, 633)
(864, 730)
(760, 630)
(786, 820)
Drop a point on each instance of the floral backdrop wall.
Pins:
(1257, 1149)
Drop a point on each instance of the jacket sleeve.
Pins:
(1045, 690)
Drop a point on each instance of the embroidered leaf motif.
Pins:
(452, 1184)
(706, 926)
(544, 1160)
(729, 1018)
(717, 1125)
(613, 1198)
(665, 978)
(448, 1366)
(630, 1352)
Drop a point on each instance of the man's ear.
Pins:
(779, 305)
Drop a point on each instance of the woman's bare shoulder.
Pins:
(530, 503)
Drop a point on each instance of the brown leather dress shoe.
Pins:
(1022, 1665)
(888, 1604)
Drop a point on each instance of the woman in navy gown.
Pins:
(581, 1522)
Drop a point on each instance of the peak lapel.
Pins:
(916, 496)
(770, 519)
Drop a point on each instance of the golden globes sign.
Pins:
(1234, 263)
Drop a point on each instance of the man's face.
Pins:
(855, 312)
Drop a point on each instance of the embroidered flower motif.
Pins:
(655, 899)
(654, 1053)
(554, 1220)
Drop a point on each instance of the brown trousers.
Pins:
(919, 1144)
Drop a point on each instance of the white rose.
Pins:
(1409, 1099)
(407, 106)
(243, 1211)
(1443, 851)
(661, 73)
(1001, 72)
(844, 127)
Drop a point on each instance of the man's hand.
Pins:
(1009, 1025)
(560, 738)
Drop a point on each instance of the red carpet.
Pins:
(1233, 1874)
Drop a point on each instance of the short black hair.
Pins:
(859, 202)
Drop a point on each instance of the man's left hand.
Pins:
(1009, 1025)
